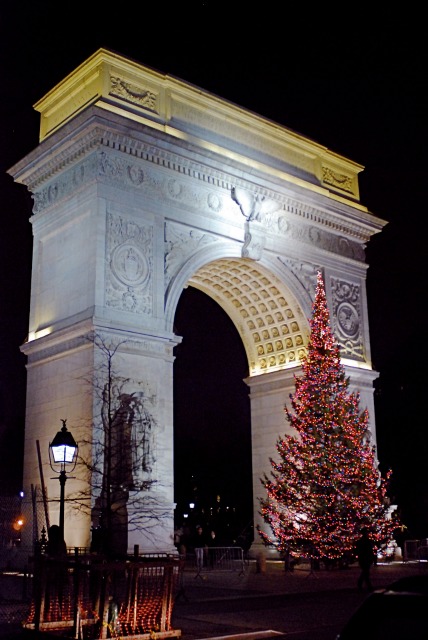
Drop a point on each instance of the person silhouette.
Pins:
(200, 545)
(56, 547)
(366, 557)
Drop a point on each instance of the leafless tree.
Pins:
(118, 455)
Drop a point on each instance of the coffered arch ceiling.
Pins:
(271, 324)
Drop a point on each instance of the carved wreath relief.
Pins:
(347, 318)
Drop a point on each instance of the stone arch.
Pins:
(264, 310)
(142, 185)
(268, 323)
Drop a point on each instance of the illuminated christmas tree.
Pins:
(326, 485)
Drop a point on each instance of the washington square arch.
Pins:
(144, 185)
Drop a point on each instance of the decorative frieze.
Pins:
(119, 161)
(118, 168)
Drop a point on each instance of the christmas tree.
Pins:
(326, 485)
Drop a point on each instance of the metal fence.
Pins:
(218, 559)
(415, 550)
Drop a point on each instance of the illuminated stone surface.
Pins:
(143, 185)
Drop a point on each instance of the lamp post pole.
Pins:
(62, 481)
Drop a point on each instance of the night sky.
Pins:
(353, 83)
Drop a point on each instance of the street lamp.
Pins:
(63, 451)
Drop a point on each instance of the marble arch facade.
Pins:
(143, 185)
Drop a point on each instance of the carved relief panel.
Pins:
(129, 265)
(346, 317)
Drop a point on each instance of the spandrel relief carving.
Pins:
(180, 244)
(304, 272)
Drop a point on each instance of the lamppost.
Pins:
(63, 451)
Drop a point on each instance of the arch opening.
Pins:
(212, 425)
(239, 323)
(265, 314)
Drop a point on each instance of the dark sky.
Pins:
(350, 81)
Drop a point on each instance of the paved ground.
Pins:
(275, 581)
(14, 601)
(215, 585)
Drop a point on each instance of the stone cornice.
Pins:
(48, 166)
(57, 341)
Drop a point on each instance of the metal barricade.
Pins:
(423, 557)
(223, 559)
(410, 550)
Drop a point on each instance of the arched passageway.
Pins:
(212, 421)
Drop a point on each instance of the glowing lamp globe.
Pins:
(63, 447)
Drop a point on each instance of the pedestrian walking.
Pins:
(211, 550)
(366, 557)
(200, 545)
